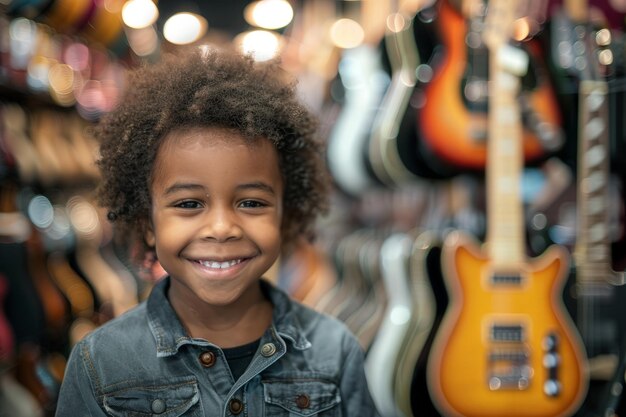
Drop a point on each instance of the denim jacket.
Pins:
(144, 364)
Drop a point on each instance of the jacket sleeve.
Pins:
(355, 394)
(76, 397)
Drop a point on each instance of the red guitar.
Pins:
(506, 346)
(453, 118)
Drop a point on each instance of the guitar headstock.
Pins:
(581, 47)
(499, 23)
(499, 29)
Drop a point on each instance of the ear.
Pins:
(148, 235)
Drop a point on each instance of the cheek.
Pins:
(268, 234)
(166, 234)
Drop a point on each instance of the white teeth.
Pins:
(220, 265)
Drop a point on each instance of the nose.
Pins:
(221, 224)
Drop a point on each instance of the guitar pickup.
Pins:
(508, 333)
(506, 279)
(514, 356)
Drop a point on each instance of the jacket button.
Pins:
(207, 359)
(303, 401)
(268, 349)
(158, 406)
(235, 406)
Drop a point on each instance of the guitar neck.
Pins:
(505, 234)
(592, 252)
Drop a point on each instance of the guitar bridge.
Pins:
(509, 366)
(509, 369)
(514, 377)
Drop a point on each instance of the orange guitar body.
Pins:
(480, 366)
(445, 121)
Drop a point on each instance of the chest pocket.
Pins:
(301, 398)
(171, 400)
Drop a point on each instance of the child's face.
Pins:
(216, 212)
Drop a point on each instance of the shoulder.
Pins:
(108, 349)
(119, 335)
(294, 316)
(322, 329)
(310, 317)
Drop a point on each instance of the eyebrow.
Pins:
(257, 186)
(194, 187)
(178, 186)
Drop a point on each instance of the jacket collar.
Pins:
(170, 334)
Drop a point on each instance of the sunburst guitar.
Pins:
(453, 118)
(506, 345)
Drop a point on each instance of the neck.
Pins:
(505, 212)
(229, 325)
(593, 250)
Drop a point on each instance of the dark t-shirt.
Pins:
(239, 357)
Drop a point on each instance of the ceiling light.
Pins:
(184, 28)
(269, 14)
(261, 44)
(138, 14)
(347, 33)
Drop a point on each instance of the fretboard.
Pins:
(505, 238)
(593, 250)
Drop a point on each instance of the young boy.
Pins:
(211, 161)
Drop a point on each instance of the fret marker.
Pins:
(597, 232)
(595, 155)
(594, 128)
(595, 100)
(593, 182)
(595, 205)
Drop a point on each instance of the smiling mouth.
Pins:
(220, 265)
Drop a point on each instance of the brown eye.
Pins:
(188, 204)
(252, 204)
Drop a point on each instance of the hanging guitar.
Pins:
(599, 291)
(383, 152)
(364, 75)
(393, 148)
(453, 118)
(506, 345)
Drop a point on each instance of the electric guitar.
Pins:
(506, 345)
(383, 354)
(595, 278)
(383, 149)
(599, 290)
(428, 292)
(428, 303)
(365, 80)
(393, 148)
(452, 120)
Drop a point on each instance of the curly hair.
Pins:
(208, 88)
